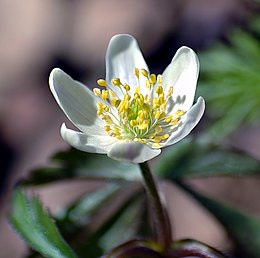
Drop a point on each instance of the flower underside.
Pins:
(135, 116)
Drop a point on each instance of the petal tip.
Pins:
(55, 71)
(54, 75)
(122, 37)
(201, 101)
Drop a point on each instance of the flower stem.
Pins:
(160, 217)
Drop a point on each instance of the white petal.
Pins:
(182, 74)
(134, 152)
(77, 102)
(123, 55)
(87, 143)
(193, 116)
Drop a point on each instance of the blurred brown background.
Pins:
(37, 36)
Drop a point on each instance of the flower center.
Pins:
(132, 115)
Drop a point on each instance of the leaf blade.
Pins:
(36, 227)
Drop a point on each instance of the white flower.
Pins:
(135, 113)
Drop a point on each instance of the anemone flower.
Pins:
(133, 113)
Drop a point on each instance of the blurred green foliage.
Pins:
(230, 80)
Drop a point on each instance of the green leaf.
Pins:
(78, 164)
(229, 81)
(121, 224)
(34, 224)
(124, 228)
(242, 227)
(79, 213)
(194, 158)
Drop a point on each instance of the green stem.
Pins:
(160, 217)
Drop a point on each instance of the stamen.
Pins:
(147, 84)
(180, 112)
(170, 91)
(97, 92)
(116, 82)
(144, 73)
(159, 90)
(137, 117)
(104, 94)
(126, 87)
(152, 78)
(102, 82)
(159, 79)
(136, 72)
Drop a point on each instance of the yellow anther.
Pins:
(146, 106)
(116, 81)
(168, 119)
(97, 92)
(140, 100)
(159, 79)
(156, 144)
(174, 121)
(137, 89)
(152, 78)
(157, 139)
(159, 90)
(104, 94)
(117, 103)
(140, 118)
(147, 84)
(102, 82)
(158, 129)
(179, 112)
(106, 118)
(113, 101)
(163, 106)
(133, 123)
(147, 121)
(170, 91)
(112, 93)
(141, 97)
(165, 136)
(151, 136)
(144, 72)
(107, 128)
(161, 99)
(112, 134)
(121, 106)
(136, 72)
(157, 115)
(140, 112)
(140, 140)
(99, 104)
(126, 87)
(126, 104)
(142, 126)
(163, 114)
(117, 131)
(106, 108)
(127, 96)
